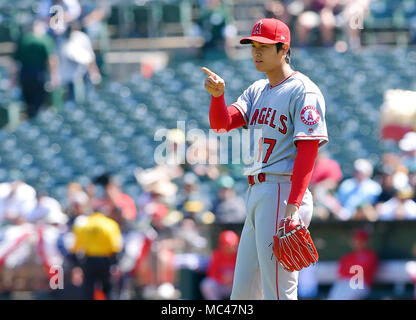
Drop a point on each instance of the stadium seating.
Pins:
(143, 18)
(113, 130)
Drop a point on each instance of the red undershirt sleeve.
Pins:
(222, 117)
(302, 169)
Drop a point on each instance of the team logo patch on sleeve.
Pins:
(309, 115)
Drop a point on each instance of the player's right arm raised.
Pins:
(221, 117)
(214, 84)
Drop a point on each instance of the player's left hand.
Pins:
(293, 246)
(292, 211)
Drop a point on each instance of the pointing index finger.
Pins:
(208, 72)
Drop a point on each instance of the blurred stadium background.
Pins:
(104, 76)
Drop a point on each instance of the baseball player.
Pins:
(289, 109)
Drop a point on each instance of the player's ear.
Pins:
(286, 50)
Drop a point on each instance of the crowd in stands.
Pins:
(59, 52)
(62, 50)
(361, 256)
(166, 225)
(384, 193)
(325, 15)
(329, 23)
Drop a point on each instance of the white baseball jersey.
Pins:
(289, 111)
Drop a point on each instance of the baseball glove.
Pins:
(293, 246)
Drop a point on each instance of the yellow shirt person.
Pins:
(97, 236)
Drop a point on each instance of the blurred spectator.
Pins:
(24, 247)
(73, 285)
(218, 283)
(202, 155)
(53, 241)
(357, 191)
(99, 239)
(78, 61)
(157, 188)
(121, 200)
(17, 200)
(229, 207)
(412, 182)
(154, 196)
(330, 14)
(191, 202)
(95, 191)
(162, 268)
(352, 19)
(74, 191)
(400, 207)
(215, 25)
(325, 178)
(94, 22)
(326, 171)
(365, 212)
(54, 249)
(113, 202)
(192, 240)
(175, 154)
(37, 64)
(191, 257)
(389, 162)
(318, 13)
(387, 188)
(390, 165)
(78, 202)
(132, 262)
(93, 17)
(278, 10)
(45, 207)
(408, 147)
(58, 14)
(19, 270)
(362, 264)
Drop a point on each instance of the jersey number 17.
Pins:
(271, 143)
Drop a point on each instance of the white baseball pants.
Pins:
(258, 275)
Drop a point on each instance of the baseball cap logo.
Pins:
(257, 27)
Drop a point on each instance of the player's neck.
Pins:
(278, 75)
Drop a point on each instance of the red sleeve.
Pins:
(223, 117)
(302, 169)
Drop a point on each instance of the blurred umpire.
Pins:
(99, 239)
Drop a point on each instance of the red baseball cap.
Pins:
(269, 31)
(361, 235)
(228, 238)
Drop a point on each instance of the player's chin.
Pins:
(259, 67)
